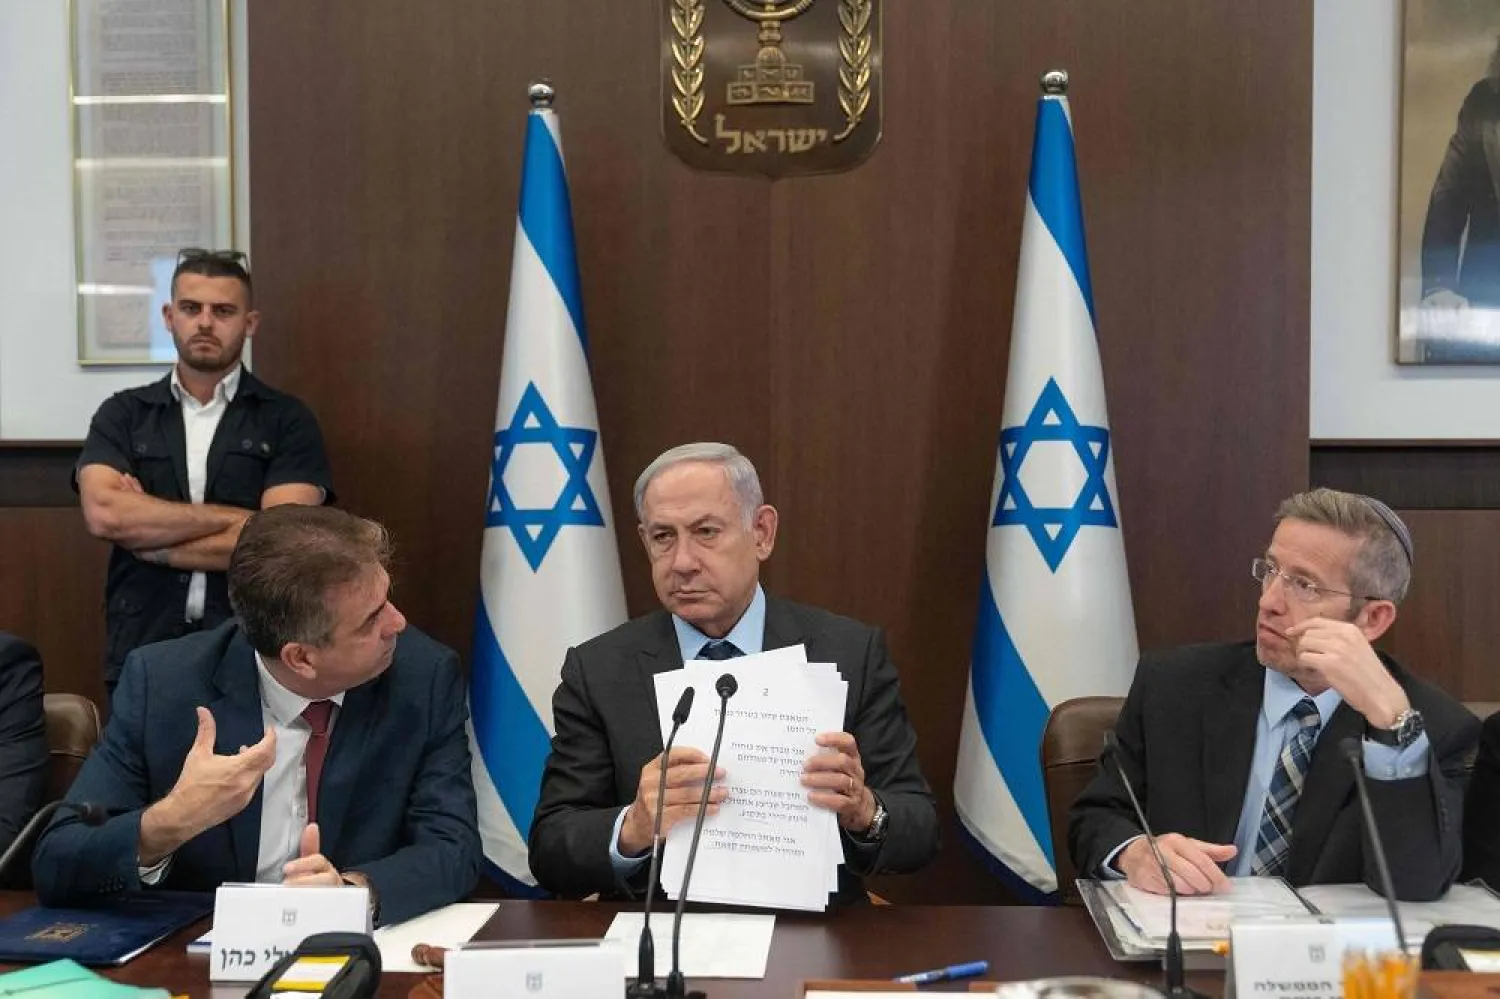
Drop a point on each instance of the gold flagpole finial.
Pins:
(1055, 82)
(541, 93)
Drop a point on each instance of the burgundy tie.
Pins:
(318, 715)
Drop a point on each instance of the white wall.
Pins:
(1358, 391)
(44, 393)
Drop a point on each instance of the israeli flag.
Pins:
(550, 573)
(1055, 618)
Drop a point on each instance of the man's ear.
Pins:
(763, 527)
(1375, 618)
(299, 659)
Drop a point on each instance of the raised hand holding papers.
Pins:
(767, 846)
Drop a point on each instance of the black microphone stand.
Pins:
(726, 686)
(1354, 753)
(1174, 967)
(645, 986)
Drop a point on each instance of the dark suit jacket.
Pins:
(1186, 737)
(396, 800)
(605, 715)
(23, 737)
(1482, 811)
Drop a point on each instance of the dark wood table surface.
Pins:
(873, 942)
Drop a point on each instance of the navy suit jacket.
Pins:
(396, 800)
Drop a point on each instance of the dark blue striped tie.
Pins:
(718, 650)
(1273, 843)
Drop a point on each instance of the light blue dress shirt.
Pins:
(749, 636)
(1274, 725)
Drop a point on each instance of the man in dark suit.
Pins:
(328, 745)
(706, 530)
(23, 736)
(1482, 809)
(1237, 751)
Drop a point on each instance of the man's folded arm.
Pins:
(441, 863)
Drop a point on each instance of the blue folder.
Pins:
(107, 935)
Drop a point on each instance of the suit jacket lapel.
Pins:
(1229, 745)
(341, 769)
(659, 654)
(239, 722)
(782, 629)
(1325, 791)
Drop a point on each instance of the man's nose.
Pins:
(685, 557)
(1272, 595)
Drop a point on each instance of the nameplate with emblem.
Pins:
(256, 925)
(544, 969)
(1299, 957)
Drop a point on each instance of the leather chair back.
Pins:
(72, 732)
(1070, 754)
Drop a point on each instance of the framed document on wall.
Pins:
(152, 163)
(1448, 244)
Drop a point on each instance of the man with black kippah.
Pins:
(1235, 749)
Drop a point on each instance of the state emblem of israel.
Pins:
(775, 87)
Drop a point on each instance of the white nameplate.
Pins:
(1300, 957)
(544, 969)
(256, 925)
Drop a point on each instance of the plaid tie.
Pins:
(1273, 843)
(718, 650)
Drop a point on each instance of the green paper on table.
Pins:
(69, 980)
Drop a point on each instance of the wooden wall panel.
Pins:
(849, 332)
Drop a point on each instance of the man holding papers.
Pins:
(1237, 750)
(706, 530)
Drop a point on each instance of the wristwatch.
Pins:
(882, 818)
(1408, 727)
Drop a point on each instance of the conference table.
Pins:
(869, 942)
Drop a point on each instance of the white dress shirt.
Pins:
(199, 422)
(283, 806)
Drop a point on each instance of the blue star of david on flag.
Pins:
(1054, 528)
(536, 529)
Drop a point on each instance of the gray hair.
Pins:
(1381, 567)
(737, 468)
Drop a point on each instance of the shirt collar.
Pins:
(748, 633)
(1282, 694)
(223, 392)
(285, 707)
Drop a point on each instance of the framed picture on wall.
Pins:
(151, 163)
(1448, 216)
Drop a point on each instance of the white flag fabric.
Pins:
(550, 571)
(1055, 617)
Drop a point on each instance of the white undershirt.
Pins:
(199, 422)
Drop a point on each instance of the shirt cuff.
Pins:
(1394, 763)
(1107, 870)
(623, 866)
(152, 875)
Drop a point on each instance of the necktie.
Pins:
(317, 714)
(718, 650)
(1273, 843)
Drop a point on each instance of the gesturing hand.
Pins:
(311, 867)
(1194, 864)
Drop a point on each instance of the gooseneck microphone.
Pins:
(1172, 961)
(88, 812)
(1354, 753)
(726, 686)
(645, 982)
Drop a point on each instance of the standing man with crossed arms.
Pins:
(171, 470)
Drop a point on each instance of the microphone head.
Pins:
(1110, 741)
(1352, 750)
(684, 707)
(726, 685)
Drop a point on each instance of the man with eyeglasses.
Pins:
(1236, 749)
(171, 471)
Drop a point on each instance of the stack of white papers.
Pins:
(768, 845)
(1471, 904)
(1205, 917)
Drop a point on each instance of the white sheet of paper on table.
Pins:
(446, 927)
(714, 944)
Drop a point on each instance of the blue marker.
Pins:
(944, 974)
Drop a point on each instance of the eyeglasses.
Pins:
(234, 258)
(1303, 589)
